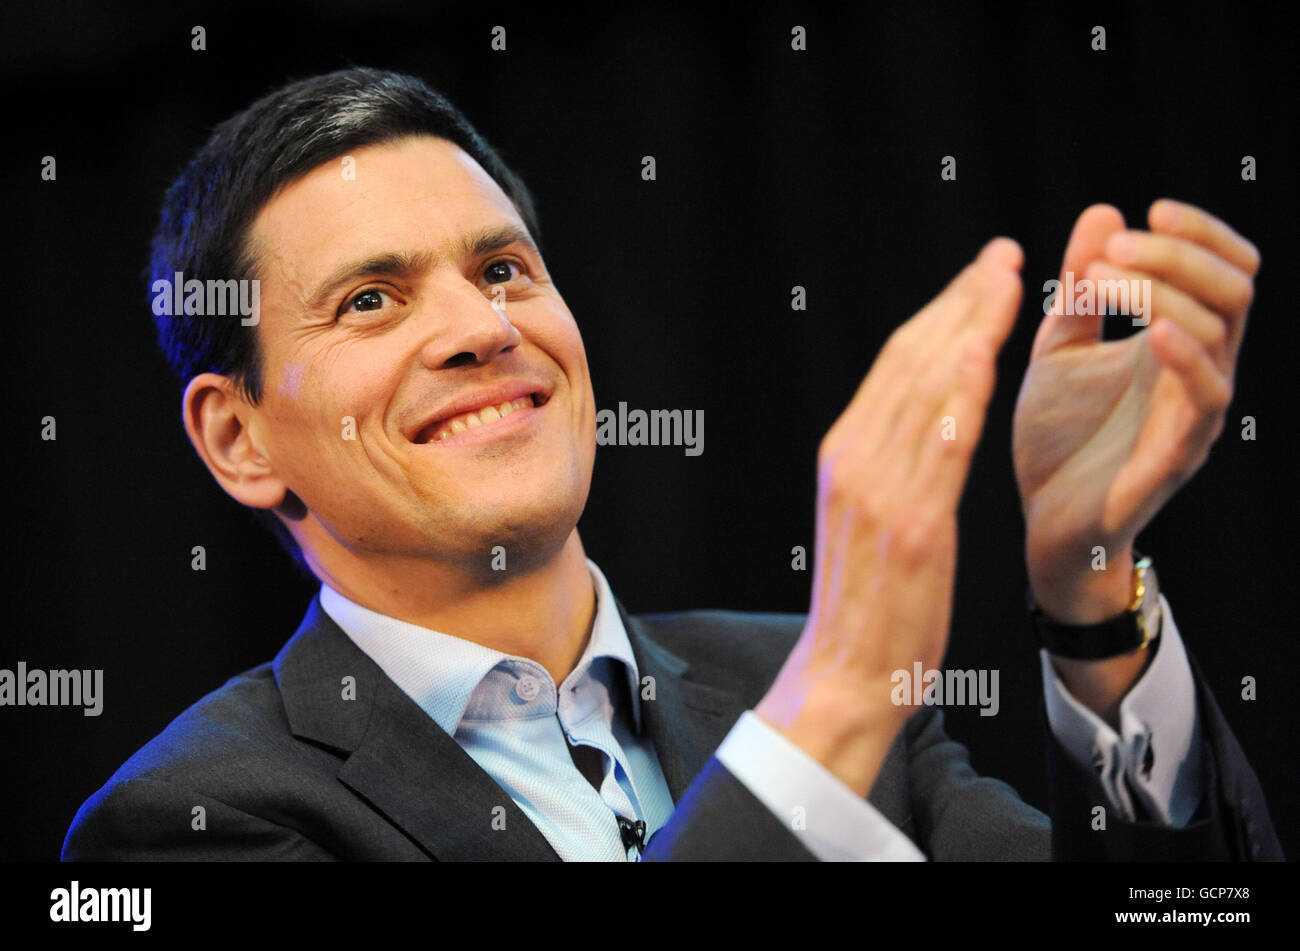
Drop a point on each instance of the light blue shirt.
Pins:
(508, 715)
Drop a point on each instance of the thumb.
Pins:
(1091, 230)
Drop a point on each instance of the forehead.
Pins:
(414, 192)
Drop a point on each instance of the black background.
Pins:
(775, 168)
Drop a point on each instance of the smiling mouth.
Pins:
(485, 416)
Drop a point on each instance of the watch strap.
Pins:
(1136, 627)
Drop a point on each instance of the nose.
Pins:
(473, 330)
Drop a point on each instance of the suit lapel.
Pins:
(689, 720)
(396, 757)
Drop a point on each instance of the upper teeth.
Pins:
(489, 414)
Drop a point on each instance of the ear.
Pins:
(216, 418)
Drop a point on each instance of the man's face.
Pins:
(395, 303)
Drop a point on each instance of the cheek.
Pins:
(565, 344)
(291, 383)
(557, 334)
(322, 413)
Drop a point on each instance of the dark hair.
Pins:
(209, 208)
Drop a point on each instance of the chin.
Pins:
(530, 529)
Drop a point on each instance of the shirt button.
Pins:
(528, 688)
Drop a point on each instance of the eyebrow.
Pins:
(404, 264)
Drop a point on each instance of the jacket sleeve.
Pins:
(719, 819)
(960, 815)
(1232, 823)
(956, 814)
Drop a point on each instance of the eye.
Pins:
(498, 272)
(372, 299)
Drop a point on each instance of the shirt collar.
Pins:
(440, 672)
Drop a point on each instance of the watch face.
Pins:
(1149, 610)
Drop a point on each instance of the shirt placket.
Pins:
(516, 702)
(585, 713)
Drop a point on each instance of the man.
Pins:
(413, 403)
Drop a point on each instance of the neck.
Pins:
(544, 613)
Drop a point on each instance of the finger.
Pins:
(985, 323)
(970, 286)
(1213, 281)
(923, 419)
(1004, 252)
(1180, 438)
(1200, 227)
(956, 428)
(1163, 302)
(1204, 382)
(1059, 329)
(878, 399)
(1004, 288)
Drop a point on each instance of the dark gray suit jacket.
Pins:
(286, 768)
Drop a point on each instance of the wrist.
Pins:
(1100, 660)
(837, 723)
(1085, 597)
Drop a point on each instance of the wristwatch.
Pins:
(1136, 628)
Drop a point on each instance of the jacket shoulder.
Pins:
(734, 649)
(243, 718)
(210, 756)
